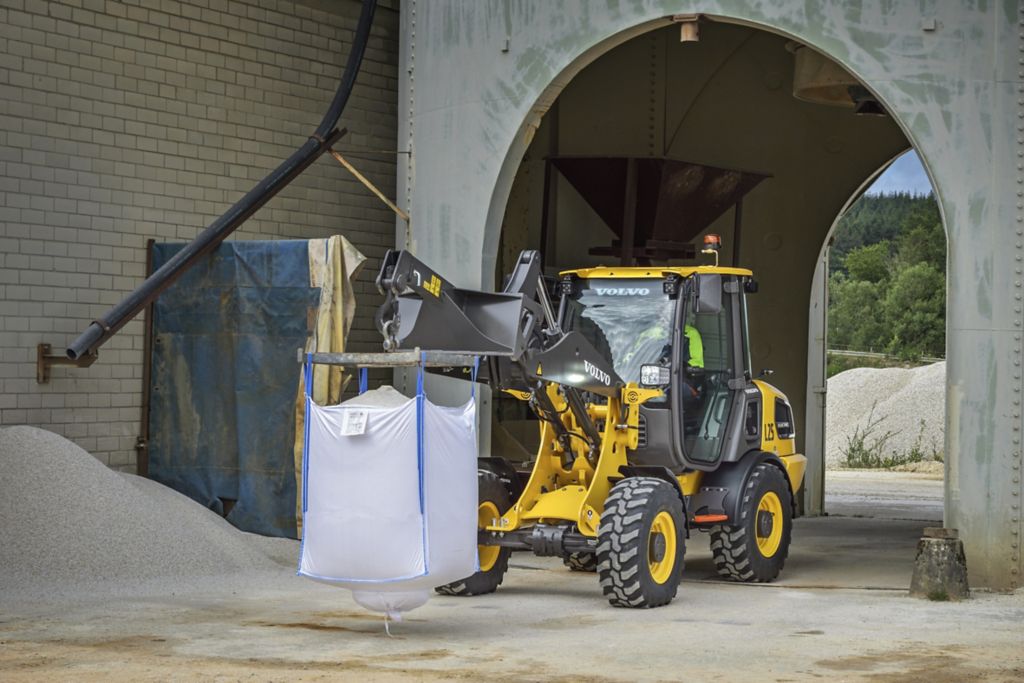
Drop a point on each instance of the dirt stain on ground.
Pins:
(127, 642)
(150, 657)
(311, 626)
(575, 621)
(921, 666)
(364, 616)
(145, 658)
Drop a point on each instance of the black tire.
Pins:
(581, 562)
(744, 551)
(487, 580)
(628, 546)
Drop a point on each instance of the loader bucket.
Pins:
(423, 310)
(457, 320)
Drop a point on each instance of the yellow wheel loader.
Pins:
(651, 425)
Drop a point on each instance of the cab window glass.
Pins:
(707, 397)
(629, 321)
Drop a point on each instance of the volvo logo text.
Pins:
(622, 291)
(597, 373)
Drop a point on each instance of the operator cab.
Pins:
(681, 329)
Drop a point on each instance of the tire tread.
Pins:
(731, 545)
(621, 539)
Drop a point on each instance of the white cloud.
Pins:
(904, 175)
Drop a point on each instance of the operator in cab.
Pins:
(694, 361)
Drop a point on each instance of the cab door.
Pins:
(712, 370)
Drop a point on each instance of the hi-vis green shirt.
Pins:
(695, 346)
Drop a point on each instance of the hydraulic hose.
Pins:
(113, 320)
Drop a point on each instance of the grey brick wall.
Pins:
(124, 120)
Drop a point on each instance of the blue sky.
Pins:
(905, 175)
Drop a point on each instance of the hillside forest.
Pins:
(887, 282)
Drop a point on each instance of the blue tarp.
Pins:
(224, 380)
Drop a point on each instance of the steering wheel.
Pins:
(705, 379)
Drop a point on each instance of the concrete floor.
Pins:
(884, 495)
(839, 612)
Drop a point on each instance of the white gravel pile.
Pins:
(69, 522)
(907, 404)
(385, 396)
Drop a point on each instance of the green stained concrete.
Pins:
(953, 93)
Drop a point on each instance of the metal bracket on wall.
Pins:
(45, 359)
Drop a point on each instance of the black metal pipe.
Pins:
(737, 227)
(326, 134)
(142, 442)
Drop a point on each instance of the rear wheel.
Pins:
(581, 562)
(755, 549)
(641, 543)
(494, 499)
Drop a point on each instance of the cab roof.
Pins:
(652, 271)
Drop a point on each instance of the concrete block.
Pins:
(940, 568)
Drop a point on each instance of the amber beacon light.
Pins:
(712, 245)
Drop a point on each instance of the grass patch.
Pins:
(866, 447)
(918, 453)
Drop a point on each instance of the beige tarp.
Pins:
(333, 266)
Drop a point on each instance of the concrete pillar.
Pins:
(985, 221)
(817, 396)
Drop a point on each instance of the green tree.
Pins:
(915, 311)
(855, 318)
(922, 239)
(874, 218)
(870, 263)
(887, 283)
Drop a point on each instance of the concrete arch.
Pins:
(945, 70)
(547, 97)
(800, 382)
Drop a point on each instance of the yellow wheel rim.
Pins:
(661, 552)
(485, 516)
(768, 529)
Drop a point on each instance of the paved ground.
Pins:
(884, 495)
(839, 613)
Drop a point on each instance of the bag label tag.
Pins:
(353, 422)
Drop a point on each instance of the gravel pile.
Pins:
(69, 522)
(907, 404)
(383, 397)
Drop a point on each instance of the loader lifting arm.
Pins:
(422, 309)
(516, 330)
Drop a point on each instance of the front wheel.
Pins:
(755, 549)
(494, 499)
(641, 543)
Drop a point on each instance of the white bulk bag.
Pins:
(389, 499)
